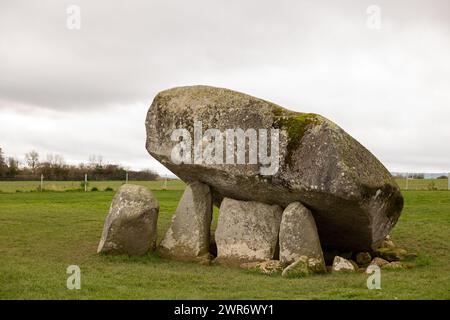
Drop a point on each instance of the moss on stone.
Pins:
(295, 124)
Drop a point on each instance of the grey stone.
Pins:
(188, 235)
(378, 262)
(387, 243)
(131, 225)
(397, 265)
(298, 269)
(391, 254)
(316, 265)
(246, 231)
(350, 193)
(363, 258)
(304, 266)
(343, 265)
(267, 267)
(298, 234)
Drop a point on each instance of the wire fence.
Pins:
(81, 185)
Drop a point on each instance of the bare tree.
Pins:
(13, 167)
(3, 166)
(55, 160)
(96, 161)
(32, 160)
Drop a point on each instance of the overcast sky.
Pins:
(84, 92)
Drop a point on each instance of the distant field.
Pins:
(423, 184)
(41, 234)
(22, 186)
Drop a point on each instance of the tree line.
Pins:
(53, 167)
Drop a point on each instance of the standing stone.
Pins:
(247, 231)
(130, 227)
(188, 236)
(298, 234)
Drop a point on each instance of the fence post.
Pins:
(42, 182)
(165, 182)
(85, 182)
(407, 181)
(448, 181)
(126, 177)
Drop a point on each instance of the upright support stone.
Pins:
(188, 237)
(247, 231)
(130, 227)
(298, 235)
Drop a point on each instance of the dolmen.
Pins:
(288, 185)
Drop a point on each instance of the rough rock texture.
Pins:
(343, 265)
(363, 258)
(130, 227)
(387, 242)
(350, 193)
(297, 269)
(304, 266)
(188, 235)
(379, 262)
(397, 265)
(246, 231)
(268, 267)
(391, 254)
(298, 234)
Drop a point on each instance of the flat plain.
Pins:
(42, 233)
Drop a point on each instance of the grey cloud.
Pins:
(382, 86)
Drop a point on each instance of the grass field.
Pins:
(43, 233)
(25, 186)
(423, 184)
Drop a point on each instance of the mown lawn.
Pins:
(43, 233)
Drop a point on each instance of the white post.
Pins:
(42, 182)
(126, 178)
(407, 181)
(85, 182)
(448, 181)
(165, 182)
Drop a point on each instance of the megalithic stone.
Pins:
(247, 231)
(131, 225)
(298, 235)
(188, 237)
(353, 197)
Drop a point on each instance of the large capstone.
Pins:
(298, 235)
(247, 231)
(353, 197)
(188, 235)
(131, 225)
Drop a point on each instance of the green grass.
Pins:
(423, 184)
(43, 233)
(26, 186)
